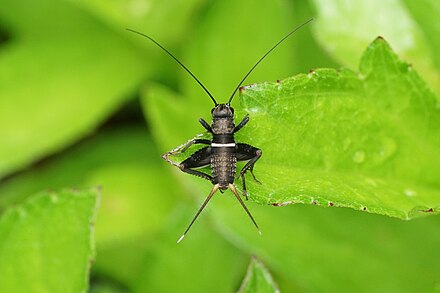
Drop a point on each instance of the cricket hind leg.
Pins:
(182, 148)
(200, 158)
(245, 152)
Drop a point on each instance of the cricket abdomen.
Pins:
(223, 164)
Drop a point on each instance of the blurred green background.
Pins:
(74, 112)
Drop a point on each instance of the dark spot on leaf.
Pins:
(330, 204)
(380, 38)
(4, 35)
(311, 71)
(91, 262)
(430, 210)
(282, 204)
(314, 202)
(242, 88)
(278, 80)
(364, 208)
(102, 281)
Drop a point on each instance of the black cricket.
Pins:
(222, 152)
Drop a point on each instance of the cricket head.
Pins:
(222, 111)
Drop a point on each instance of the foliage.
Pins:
(366, 140)
(258, 279)
(84, 103)
(46, 244)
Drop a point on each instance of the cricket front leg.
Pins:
(241, 124)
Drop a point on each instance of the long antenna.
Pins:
(264, 56)
(214, 189)
(181, 64)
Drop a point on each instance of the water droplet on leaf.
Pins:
(22, 213)
(389, 147)
(359, 157)
(346, 144)
(410, 192)
(54, 198)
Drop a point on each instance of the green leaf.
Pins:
(42, 113)
(258, 279)
(315, 249)
(308, 52)
(412, 38)
(46, 244)
(223, 47)
(312, 249)
(99, 287)
(203, 262)
(424, 12)
(369, 141)
(150, 17)
(135, 200)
